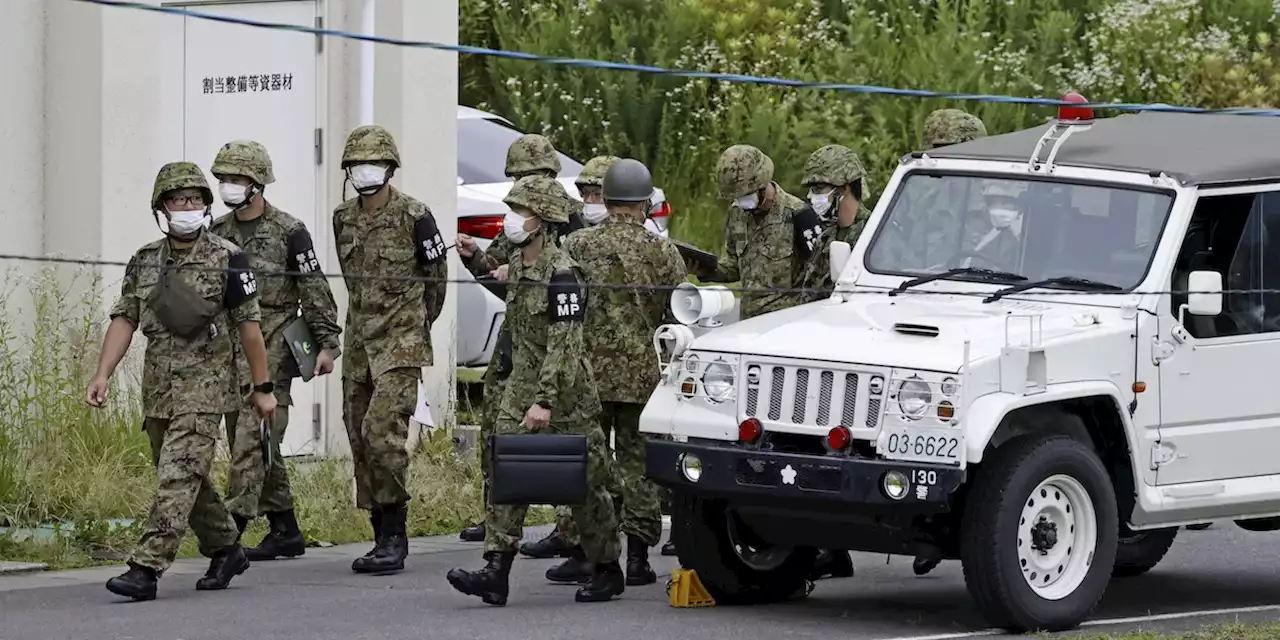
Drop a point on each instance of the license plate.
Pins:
(942, 446)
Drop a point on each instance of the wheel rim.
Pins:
(756, 556)
(1057, 537)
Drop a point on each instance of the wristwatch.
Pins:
(543, 404)
(266, 387)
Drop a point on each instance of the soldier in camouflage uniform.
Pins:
(188, 312)
(384, 232)
(589, 183)
(619, 334)
(836, 181)
(548, 388)
(275, 243)
(759, 235)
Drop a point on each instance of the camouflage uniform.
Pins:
(837, 166)
(759, 247)
(388, 338)
(275, 243)
(550, 366)
(187, 385)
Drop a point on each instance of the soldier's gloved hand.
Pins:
(500, 273)
(324, 363)
(96, 396)
(537, 417)
(265, 404)
(466, 245)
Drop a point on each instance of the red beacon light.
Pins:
(1072, 114)
(838, 438)
(750, 431)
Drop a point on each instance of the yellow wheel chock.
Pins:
(684, 589)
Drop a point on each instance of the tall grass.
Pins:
(1212, 53)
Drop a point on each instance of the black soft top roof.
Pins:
(1195, 149)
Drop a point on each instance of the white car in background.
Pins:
(483, 139)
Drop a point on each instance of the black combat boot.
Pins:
(285, 539)
(669, 548)
(926, 560)
(638, 570)
(474, 533)
(375, 520)
(490, 583)
(224, 566)
(138, 583)
(575, 570)
(832, 563)
(393, 547)
(606, 582)
(552, 546)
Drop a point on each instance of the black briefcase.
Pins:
(536, 468)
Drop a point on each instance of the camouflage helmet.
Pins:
(997, 188)
(952, 126)
(742, 169)
(833, 164)
(370, 143)
(244, 158)
(180, 175)
(594, 171)
(544, 196)
(628, 181)
(532, 153)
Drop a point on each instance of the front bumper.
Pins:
(799, 481)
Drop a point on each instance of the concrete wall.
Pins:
(90, 117)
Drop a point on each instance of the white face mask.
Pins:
(513, 227)
(368, 178)
(594, 213)
(1003, 217)
(821, 203)
(233, 194)
(185, 223)
(748, 202)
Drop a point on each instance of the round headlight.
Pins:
(690, 467)
(950, 386)
(717, 379)
(895, 485)
(914, 397)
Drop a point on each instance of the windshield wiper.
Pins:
(968, 271)
(1063, 280)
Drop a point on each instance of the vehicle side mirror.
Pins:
(1205, 298)
(840, 252)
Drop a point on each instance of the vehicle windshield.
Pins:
(482, 151)
(1037, 229)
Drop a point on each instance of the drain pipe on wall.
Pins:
(367, 49)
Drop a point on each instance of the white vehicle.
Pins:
(1032, 402)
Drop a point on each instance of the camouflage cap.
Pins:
(180, 175)
(244, 158)
(544, 196)
(532, 153)
(370, 143)
(593, 172)
(742, 169)
(952, 126)
(834, 165)
(996, 188)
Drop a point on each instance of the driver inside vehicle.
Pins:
(996, 244)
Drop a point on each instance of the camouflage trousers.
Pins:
(376, 412)
(596, 519)
(252, 489)
(182, 451)
(638, 500)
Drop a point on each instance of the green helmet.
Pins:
(544, 196)
(628, 181)
(742, 169)
(594, 171)
(532, 153)
(833, 164)
(952, 126)
(244, 158)
(180, 175)
(370, 143)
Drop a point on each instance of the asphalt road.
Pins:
(317, 597)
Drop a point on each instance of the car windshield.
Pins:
(1037, 229)
(482, 151)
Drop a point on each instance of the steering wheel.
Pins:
(959, 257)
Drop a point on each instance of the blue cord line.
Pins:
(706, 75)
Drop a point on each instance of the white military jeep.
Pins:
(1010, 372)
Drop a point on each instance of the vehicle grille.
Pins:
(782, 395)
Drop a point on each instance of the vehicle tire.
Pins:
(1041, 511)
(735, 568)
(1138, 552)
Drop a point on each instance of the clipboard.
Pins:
(303, 347)
(264, 438)
(703, 259)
